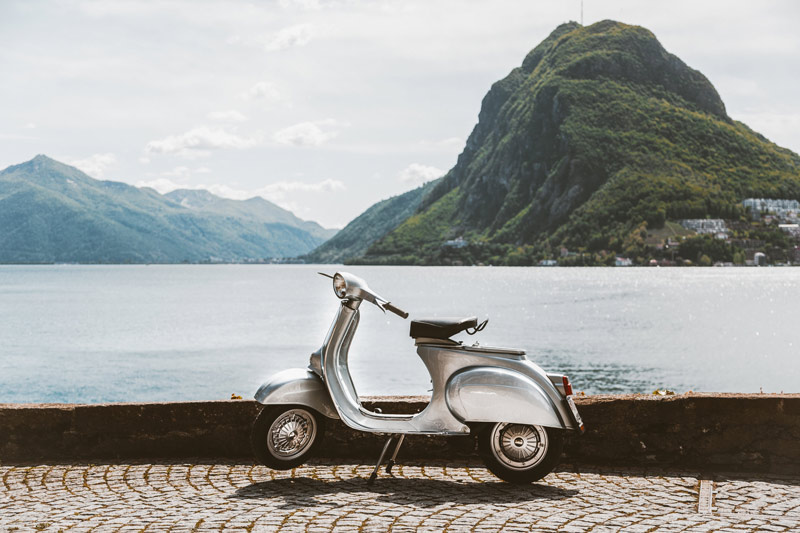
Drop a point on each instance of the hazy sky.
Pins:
(328, 107)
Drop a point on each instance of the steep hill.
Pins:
(598, 135)
(52, 212)
(354, 239)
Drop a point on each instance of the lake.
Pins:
(87, 334)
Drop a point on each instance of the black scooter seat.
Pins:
(441, 328)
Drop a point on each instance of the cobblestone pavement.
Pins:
(428, 496)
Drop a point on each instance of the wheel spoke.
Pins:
(291, 433)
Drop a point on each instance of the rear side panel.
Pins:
(490, 394)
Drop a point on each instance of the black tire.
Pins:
(519, 453)
(286, 436)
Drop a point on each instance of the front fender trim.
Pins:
(297, 386)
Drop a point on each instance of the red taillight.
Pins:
(567, 386)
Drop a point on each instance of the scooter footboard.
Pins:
(297, 386)
(489, 394)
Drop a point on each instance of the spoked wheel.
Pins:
(520, 453)
(286, 436)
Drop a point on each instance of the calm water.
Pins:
(152, 333)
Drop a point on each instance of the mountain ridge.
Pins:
(52, 212)
(598, 134)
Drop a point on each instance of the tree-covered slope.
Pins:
(599, 133)
(354, 239)
(51, 212)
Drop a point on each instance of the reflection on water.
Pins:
(186, 332)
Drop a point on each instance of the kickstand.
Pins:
(380, 460)
(391, 463)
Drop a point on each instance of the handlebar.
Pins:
(396, 310)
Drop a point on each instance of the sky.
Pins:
(326, 107)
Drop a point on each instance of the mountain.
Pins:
(598, 138)
(354, 239)
(52, 212)
(253, 209)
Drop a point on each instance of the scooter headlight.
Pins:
(339, 286)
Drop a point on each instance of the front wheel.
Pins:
(520, 453)
(286, 436)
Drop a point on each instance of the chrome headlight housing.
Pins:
(339, 286)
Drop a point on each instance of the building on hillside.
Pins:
(456, 243)
(713, 226)
(760, 259)
(784, 210)
(623, 262)
(791, 229)
(548, 263)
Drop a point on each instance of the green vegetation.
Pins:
(371, 225)
(598, 140)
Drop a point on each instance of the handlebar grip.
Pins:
(396, 310)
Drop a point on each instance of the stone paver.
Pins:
(425, 496)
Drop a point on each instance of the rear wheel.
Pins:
(520, 453)
(286, 436)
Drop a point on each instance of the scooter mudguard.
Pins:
(297, 386)
(490, 394)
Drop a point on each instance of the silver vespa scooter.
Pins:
(518, 412)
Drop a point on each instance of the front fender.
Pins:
(491, 394)
(297, 386)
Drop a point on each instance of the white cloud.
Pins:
(264, 91)
(291, 37)
(227, 116)
(95, 165)
(416, 174)
(307, 5)
(30, 126)
(307, 133)
(198, 142)
(162, 185)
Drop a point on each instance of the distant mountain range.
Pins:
(52, 212)
(600, 137)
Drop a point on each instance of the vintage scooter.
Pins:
(518, 412)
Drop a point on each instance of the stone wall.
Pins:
(758, 432)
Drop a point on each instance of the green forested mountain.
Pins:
(598, 137)
(52, 212)
(354, 239)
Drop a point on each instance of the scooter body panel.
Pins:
(488, 394)
(526, 384)
(297, 386)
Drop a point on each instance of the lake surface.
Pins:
(89, 334)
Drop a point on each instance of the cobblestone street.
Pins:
(428, 496)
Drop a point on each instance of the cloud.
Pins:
(165, 183)
(198, 142)
(30, 126)
(95, 165)
(306, 5)
(291, 37)
(307, 133)
(227, 116)
(416, 174)
(162, 185)
(264, 91)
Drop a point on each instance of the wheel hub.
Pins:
(291, 433)
(519, 446)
